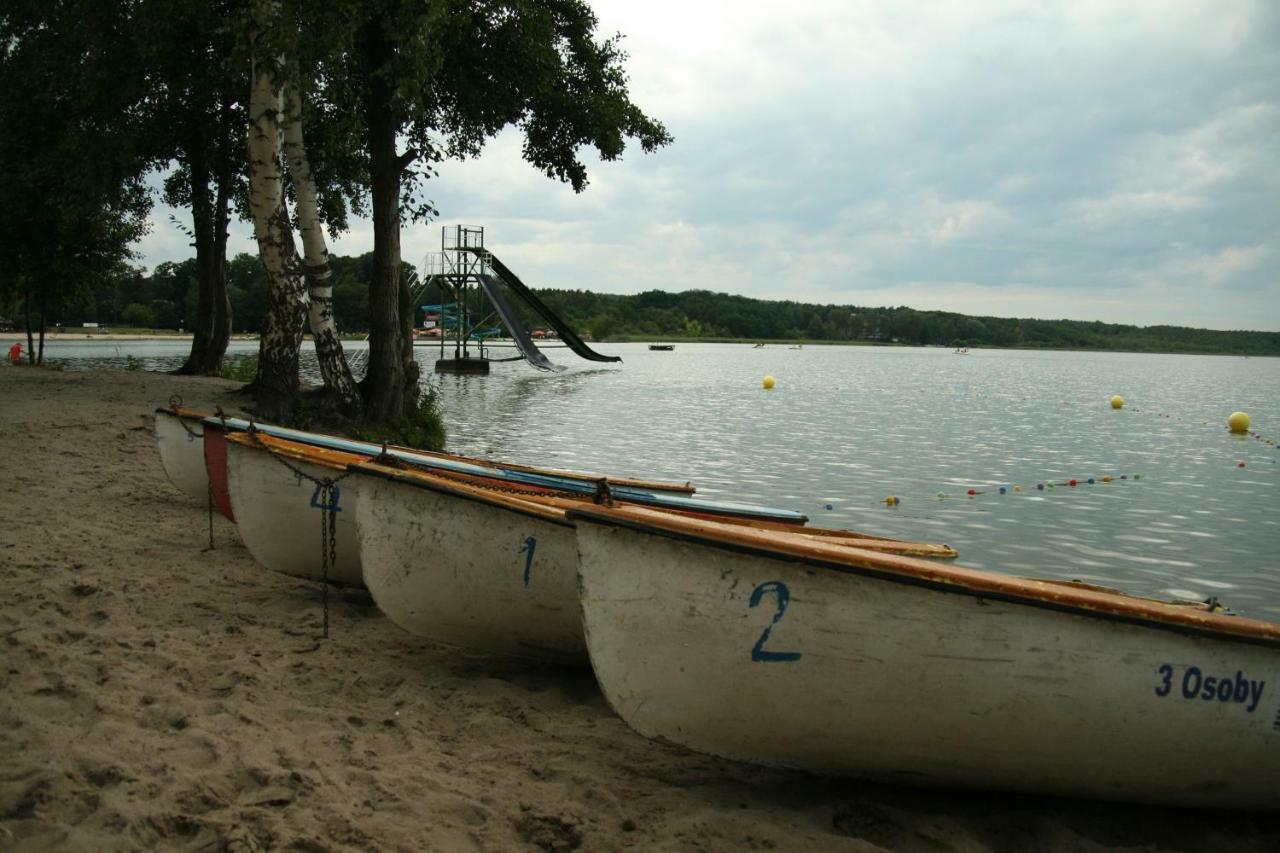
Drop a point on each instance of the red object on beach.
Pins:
(15, 353)
(215, 462)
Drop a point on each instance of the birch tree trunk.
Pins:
(276, 384)
(333, 362)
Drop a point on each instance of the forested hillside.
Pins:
(166, 299)
(703, 314)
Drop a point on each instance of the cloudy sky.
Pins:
(1084, 160)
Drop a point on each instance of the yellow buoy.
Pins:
(1238, 422)
(1117, 402)
(767, 383)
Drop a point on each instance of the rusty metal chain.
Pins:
(328, 549)
(328, 517)
(175, 403)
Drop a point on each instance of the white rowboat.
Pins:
(181, 444)
(770, 649)
(476, 566)
(470, 567)
(280, 514)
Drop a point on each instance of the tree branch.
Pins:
(406, 159)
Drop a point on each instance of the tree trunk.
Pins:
(202, 225)
(43, 322)
(219, 296)
(31, 344)
(391, 384)
(212, 329)
(333, 362)
(276, 385)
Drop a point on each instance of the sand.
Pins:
(157, 694)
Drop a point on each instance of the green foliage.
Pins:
(139, 316)
(703, 315)
(240, 368)
(132, 363)
(423, 429)
(72, 198)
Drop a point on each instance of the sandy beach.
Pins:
(159, 694)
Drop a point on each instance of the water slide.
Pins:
(523, 342)
(518, 287)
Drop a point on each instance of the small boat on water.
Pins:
(662, 347)
(494, 568)
(764, 647)
(180, 434)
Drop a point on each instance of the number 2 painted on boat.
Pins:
(783, 596)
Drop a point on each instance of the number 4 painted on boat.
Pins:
(335, 496)
(782, 595)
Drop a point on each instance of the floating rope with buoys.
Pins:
(893, 501)
(1041, 485)
(1237, 423)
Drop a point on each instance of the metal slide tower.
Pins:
(488, 297)
(457, 269)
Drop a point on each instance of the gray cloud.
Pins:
(1086, 160)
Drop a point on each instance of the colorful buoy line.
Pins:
(1045, 485)
(1117, 403)
(1017, 488)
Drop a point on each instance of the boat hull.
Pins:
(468, 572)
(278, 514)
(785, 662)
(181, 444)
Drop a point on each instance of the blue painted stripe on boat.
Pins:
(550, 481)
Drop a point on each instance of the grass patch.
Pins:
(241, 368)
(423, 429)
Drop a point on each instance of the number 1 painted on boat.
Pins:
(783, 595)
(527, 549)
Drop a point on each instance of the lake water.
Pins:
(846, 427)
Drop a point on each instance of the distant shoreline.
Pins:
(79, 336)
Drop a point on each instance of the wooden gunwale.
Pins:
(561, 504)
(460, 485)
(536, 507)
(940, 577)
(685, 488)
